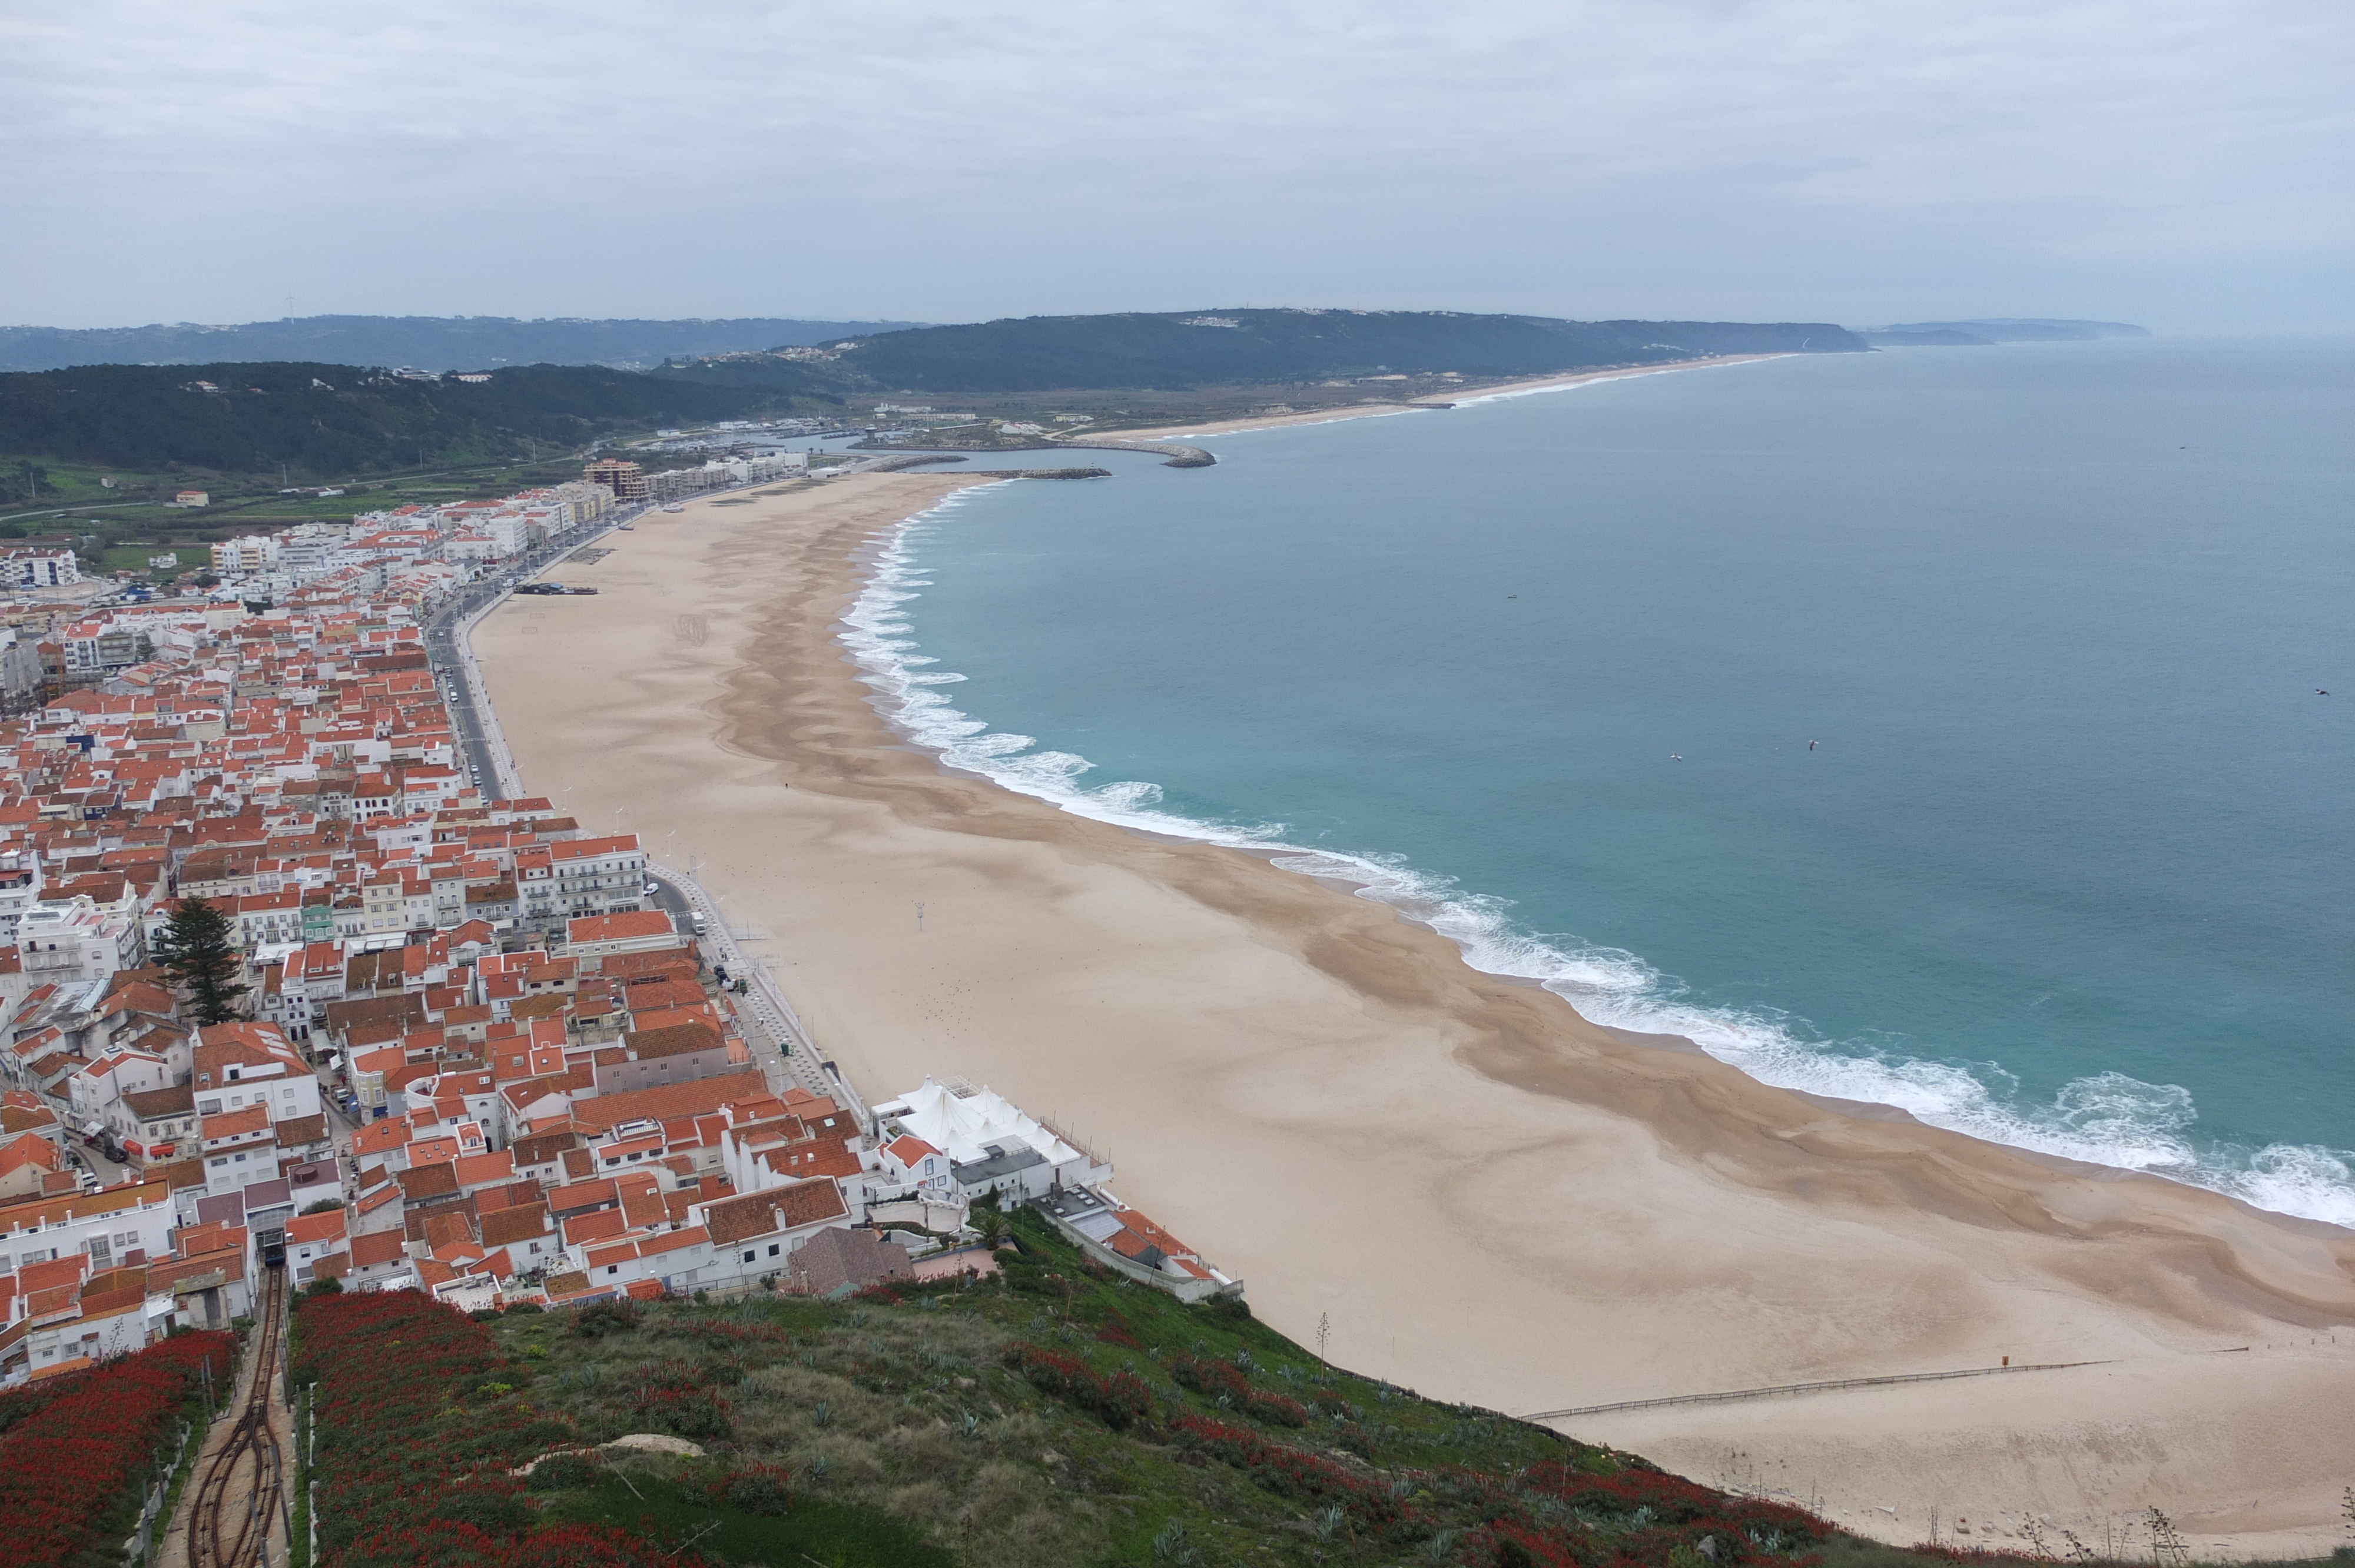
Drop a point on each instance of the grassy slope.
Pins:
(907, 1415)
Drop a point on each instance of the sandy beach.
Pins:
(1471, 393)
(1483, 1196)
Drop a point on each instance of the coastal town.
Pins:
(478, 1049)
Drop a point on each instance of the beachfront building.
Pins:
(625, 480)
(1132, 1246)
(990, 1147)
(984, 1143)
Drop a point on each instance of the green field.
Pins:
(127, 531)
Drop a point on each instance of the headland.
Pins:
(1437, 1176)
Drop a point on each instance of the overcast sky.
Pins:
(2181, 162)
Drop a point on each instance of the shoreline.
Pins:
(1437, 404)
(1325, 1099)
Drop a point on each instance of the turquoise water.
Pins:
(2066, 866)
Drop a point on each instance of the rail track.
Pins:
(239, 1489)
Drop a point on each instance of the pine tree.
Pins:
(198, 950)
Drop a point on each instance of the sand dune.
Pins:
(1481, 1194)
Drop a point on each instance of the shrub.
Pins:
(487, 1504)
(564, 1472)
(599, 1319)
(755, 1488)
(671, 1396)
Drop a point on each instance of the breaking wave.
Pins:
(2107, 1119)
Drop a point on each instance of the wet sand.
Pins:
(1482, 1195)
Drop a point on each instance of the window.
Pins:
(772, 1249)
(220, 1158)
(209, 1107)
(613, 1268)
(748, 1257)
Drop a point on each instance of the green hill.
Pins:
(334, 420)
(428, 343)
(1182, 350)
(1055, 1416)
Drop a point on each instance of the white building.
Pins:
(241, 558)
(39, 568)
(20, 892)
(67, 944)
(303, 552)
(112, 1227)
(988, 1144)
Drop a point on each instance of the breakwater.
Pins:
(1180, 454)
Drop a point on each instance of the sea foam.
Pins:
(2107, 1119)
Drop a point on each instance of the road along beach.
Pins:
(1480, 1194)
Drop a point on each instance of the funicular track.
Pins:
(239, 1488)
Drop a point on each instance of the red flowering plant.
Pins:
(1211, 1379)
(77, 1457)
(442, 1544)
(408, 1472)
(1292, 1472)
(1620, 1513)
(1119, 1399)
(754, 1487)
(674, 1395)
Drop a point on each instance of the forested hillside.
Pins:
(335, 419)
(1183, 350)
(426, 343)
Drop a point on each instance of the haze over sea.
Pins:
(2066, 866)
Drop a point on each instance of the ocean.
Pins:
(1937, 727)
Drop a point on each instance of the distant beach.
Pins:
(1473, 393)
(1478, 1193)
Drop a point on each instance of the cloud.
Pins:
(918, 157)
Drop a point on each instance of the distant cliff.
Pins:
(1994, 330)
(1191, 349)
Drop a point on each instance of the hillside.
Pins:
(1185, 350)
(1054, 1416)
(425, 342)
(334, 420)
